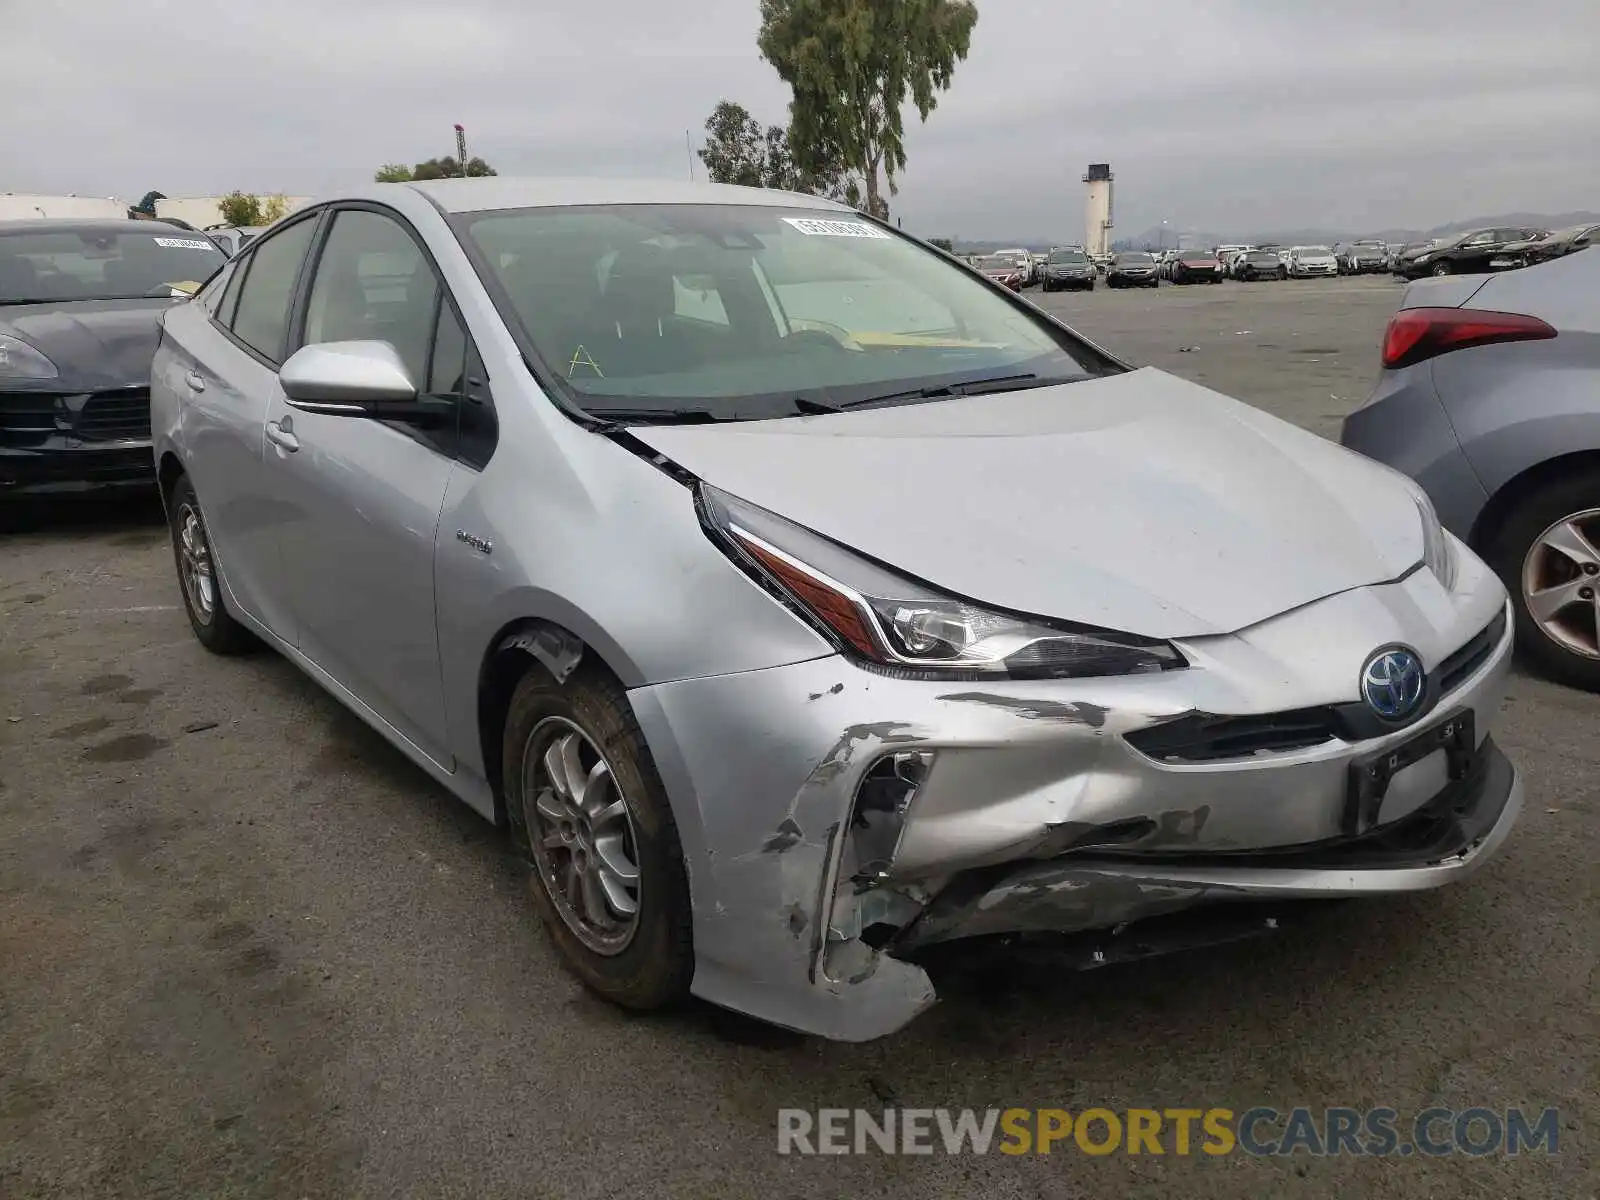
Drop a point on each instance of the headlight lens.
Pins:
(897, 624)
(1438, 554)
(18, 360)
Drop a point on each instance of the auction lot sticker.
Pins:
(817, 227)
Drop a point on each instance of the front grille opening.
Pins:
(29, 419)
(115, 416)
(26, 418)
(1202, 737)
(1458, 667)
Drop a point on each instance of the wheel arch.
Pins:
(167, 472)
(519, 645)
(1516, 489)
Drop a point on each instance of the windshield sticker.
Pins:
(816, 227)
(184, 244)
(184, 287)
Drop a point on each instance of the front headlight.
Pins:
(18, 360)
(892, 623)
(1438, 553)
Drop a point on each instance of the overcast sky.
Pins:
(1220, 115)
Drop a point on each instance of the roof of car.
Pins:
(502, 191)
(79, 224)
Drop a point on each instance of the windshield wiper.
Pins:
(971, 387)
(620, 418)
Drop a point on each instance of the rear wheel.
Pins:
(1547, 551)
(586, 807)
(198, 577)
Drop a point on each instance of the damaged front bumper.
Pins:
(836, 821)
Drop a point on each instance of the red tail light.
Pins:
(1418, 334)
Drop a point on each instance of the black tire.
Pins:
(1506, 548)
(656, 966)
(1283, 273)
(1441, 269)
(215, 628)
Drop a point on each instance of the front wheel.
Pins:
(586, 807)
(198, 577)
(1547, 552)
(1441, 269)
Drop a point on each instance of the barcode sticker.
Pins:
(816, 227)
(185, 244)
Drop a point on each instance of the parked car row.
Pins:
(351, 419)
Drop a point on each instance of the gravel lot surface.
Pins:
(247, 950)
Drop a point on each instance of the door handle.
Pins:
(194, 381)
(281, 437)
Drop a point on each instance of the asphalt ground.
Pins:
(246, 950)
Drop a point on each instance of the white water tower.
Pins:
(1097, 219)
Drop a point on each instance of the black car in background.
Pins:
(1068, 268)
(1363, 258)
(1554, 245)
(1132, 269)
(1259, 264)
(1471, 253)
(79, 306)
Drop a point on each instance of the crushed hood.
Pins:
(1138, 502)
(95, 344)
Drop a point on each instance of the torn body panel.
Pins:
(831, 814)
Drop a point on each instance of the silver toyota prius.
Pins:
(801, 601)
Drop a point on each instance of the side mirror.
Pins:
(345, 378)
(357, 379)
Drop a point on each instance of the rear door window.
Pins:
(261, 319)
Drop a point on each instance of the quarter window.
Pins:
(447, 367)
(262, 317)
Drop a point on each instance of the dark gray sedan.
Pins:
(1490, 399)
(79, 304)
(1068, 269)
(1133, 269)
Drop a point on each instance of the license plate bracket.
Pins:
(1370, 776)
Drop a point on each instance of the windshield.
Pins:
(91, 264)
(1315, 252)
(995, 262)
(1134, 259)
(1067, 256)
(1196, 255)
(1261, 256)
(743, 312)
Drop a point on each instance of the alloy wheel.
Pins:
(195, 565)
(582, 835)
(1561, 583)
